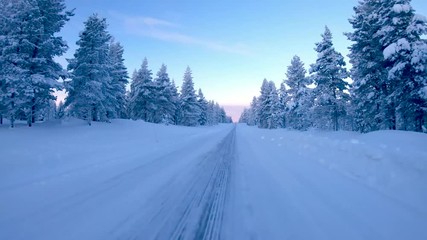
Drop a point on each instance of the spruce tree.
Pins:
(253, 112)
(268, 111)
(369, 90)
(143, 94)
(298, 92)
(328, 75)
(189, 108)
(283, 105)
(119, 79)
(166, 97)
(405, 57)
(203, 105)
(88, 91)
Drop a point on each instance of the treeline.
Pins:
(95, 79)
(389, 78)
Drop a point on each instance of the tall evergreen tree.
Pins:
(203, 105)
(369, 90)
(299, 102)
(253, 112)
(328, 75)
(90, 76)
(189, 108)
(405, 57)
(119, 79)
(177, 103)
(283, 105)
(268, 111)
(388, 58)
(166, 97)
(29, 74)
(143, 94)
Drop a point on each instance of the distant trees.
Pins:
(158, 101)
(301, 107)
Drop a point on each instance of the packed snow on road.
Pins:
(135, 180)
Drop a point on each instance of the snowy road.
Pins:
(215, 183)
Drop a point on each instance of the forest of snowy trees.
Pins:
(95, 79)
(386, 87)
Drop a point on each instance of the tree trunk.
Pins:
(12, 121)
(89, 116)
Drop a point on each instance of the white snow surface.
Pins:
(135, 180)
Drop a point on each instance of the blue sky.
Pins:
(231, 46)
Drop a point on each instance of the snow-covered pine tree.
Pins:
(90, 72)
(189, 108)
(253, 112)
(268, 111)
(28, 46)
(369, 90)
(143, 94)
(405, 54)
(211, 113)
(177, 103)
(203, 105)
(60, 111)
(283, 105)
(261, 111)
(299, 104)
(328, 75)
(244, 117)
(166, 97)
(119, 79)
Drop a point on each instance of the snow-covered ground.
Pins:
(135, 180)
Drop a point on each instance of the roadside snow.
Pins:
(329, 185)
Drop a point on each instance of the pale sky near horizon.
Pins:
(231, 46)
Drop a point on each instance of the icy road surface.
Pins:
(133, 181)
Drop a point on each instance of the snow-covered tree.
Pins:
(177, 102)
(283, 105)
(299, 103)
(189, 108)
(29, 44)
(203, 105)
(405, 54)
(268, 108)
(166, 99)
(119, 79)
(253, 112)
(244, 117)
(143, 94)
(60, 111)
(389, 59)
(369, 90)
(328, 75)
(88, 90)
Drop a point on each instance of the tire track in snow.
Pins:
(191, 207)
